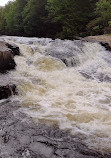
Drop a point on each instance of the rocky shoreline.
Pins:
(22, 137)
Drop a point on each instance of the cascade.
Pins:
(67, 83)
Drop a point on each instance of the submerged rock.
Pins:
(7, 91)
(106, 45)
(67, 51)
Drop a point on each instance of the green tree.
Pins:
(73, 15)
(34, 16)
(48, 18)
(13, 16)
(101, 22)
(9, 17)
(103, 10)
(18, 19)
(2, 21)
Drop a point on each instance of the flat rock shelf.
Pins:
(21, 137)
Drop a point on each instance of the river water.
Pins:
(67, 83)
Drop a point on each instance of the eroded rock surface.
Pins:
(20, 137)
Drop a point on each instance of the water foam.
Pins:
(53, 93)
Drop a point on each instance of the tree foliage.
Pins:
(73, 15)
(55, 18)
(34, 15)
(102, 19)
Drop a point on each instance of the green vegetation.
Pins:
(74, 15)
(55, 18)
(102, 22)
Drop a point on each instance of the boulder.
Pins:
(7, 53)
(7, 91)
(14, 48)
(6, 61)
(104, 40)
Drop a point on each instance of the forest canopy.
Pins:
(55, 18)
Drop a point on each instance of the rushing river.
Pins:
(67, 83)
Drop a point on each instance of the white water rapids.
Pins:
(67, 83)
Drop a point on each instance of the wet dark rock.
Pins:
(7, 91)
(86, 75)
(6, 61)
(106, 45)
(7, 53)
(14, 48)
(99, 77)
(69, 62)
(21, 137)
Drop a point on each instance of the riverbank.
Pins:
(104, 40)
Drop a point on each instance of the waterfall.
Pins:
(67, 83)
